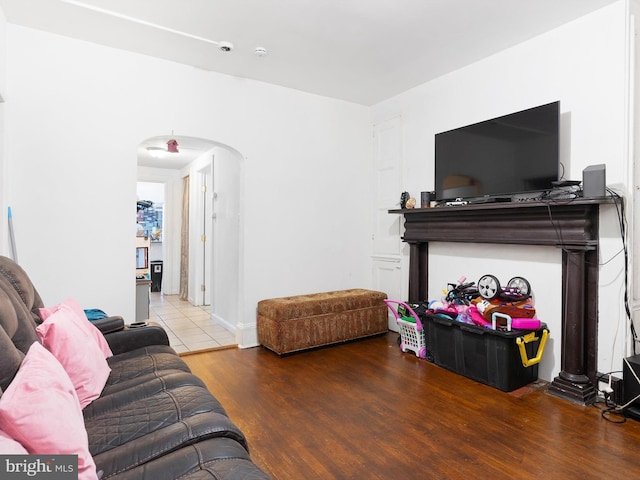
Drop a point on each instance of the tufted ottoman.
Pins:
(290, 324)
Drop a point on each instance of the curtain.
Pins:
(184, 241)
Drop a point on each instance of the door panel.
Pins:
(386, 242)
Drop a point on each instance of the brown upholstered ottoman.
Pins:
(290, 324)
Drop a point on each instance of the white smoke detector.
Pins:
(260, 51)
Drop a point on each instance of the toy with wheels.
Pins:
(461, 293)
(517, 289)
(410, 327)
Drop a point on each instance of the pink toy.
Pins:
(517, 323)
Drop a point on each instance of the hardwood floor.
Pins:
(364, 410)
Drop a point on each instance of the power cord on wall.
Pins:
(622, 220)
(609, 410)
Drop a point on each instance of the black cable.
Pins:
(608, 411)
(609, 408)
(619, 203)
(548, 201)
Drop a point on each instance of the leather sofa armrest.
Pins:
(130, 338)
(109, 324)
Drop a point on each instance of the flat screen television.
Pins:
(515, 153)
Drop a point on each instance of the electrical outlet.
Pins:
(615, 391)
(604, 387)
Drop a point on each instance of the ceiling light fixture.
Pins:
(156, 152)
(145, 23)
(172, 146)
(161, 152)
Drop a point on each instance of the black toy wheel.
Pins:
(489, 287)
(522, 285)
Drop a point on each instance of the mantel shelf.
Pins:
(508, 205)
(555, 223)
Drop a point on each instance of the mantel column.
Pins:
(573, 383)
(418, 271)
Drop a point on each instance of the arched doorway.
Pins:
(213, 235)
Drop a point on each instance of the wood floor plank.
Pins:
(366, 410)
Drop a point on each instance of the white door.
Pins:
(205, 257)
(387, 228)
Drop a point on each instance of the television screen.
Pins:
(511, 154)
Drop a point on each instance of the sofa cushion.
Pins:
(9, 446)
(172, 438)
(123, 421)
(10, 361)
(77, 352)
(14, 278)
(139, 389)
(143, 361)
(40, 409)
(170, 378)
(15, 318)
(71, 307)
(210, 459)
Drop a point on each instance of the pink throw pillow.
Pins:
(40, 409)
(83, 322)
(9, 446)
(76, 351)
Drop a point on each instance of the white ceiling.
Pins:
(362, 51)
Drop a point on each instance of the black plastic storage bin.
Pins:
(488, 356)
(156, 275)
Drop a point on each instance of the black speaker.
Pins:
(594, 181)
(631, 386)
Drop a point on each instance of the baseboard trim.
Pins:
(224, 323)
(247, 335)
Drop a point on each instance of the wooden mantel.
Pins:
(571, 225)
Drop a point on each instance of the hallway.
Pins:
(189, 328)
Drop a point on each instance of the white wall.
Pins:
(582, 64)
(4, 236)
(76, 115)
(227, 239)
(152, 191)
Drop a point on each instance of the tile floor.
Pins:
(189, 328)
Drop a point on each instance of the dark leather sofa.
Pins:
(154, 419)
